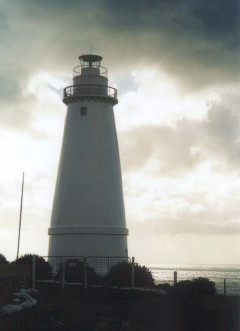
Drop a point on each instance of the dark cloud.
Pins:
(178, 35)
(196, 42)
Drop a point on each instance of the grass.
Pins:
(6, 293)
(112, 309)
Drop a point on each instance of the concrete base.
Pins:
(88, 245)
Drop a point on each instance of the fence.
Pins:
(225, 286)
(102, 265)
(23, 319)
(79, 270)
(62, 272)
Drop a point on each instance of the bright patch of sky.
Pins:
(158, 100)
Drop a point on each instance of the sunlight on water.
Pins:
(163, 273)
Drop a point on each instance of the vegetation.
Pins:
(197, 286)
(3, 259)
(203, 286)
(101, 308)
(165, 287)
(120, 275)
(43, 268)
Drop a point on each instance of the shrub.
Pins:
(3, 259)
(165, 287)
(203, 286)
(197, 286)
(74, 271)
(43, 268)
(120, 275)
(184, 287)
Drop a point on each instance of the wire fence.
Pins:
(224, 286)
(103, 264)
(100, 264)
(80, 270)
(61, 270)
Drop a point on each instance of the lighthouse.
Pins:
(88, 217)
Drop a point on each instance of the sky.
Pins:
(176, 67)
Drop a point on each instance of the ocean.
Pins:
(163, 273)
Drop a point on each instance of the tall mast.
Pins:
(20, 217)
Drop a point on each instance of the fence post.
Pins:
(84, 273)
(133, 273)
(175, 277)
(224, 287)
(33, 271)
(108, 267)
(63, 272)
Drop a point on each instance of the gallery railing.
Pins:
(77, 71)
(88, 90)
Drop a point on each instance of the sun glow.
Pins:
(160, 101)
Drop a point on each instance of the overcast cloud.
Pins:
(176, 67)
(188, 143)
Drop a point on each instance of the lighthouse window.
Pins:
(83, 111)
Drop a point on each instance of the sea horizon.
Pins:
(194, 266)
(164, 273)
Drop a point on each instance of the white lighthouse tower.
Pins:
(88, 216)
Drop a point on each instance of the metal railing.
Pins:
(77, 71)
(77, 270)
(90, 90)
(102, 264)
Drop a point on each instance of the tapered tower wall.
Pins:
(88, 211)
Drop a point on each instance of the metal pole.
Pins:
(63, 272)
(20, 217)
(33, 271)
(175, 277)
(224, 287)
(132, 273)
(84, 273)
